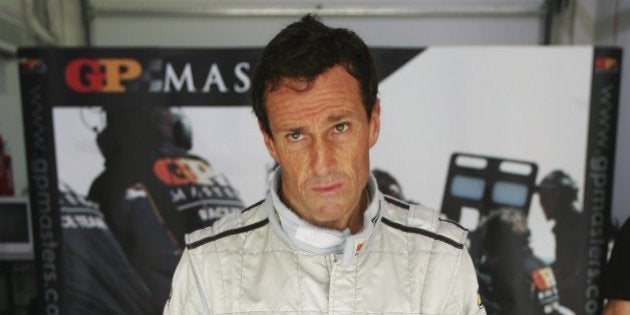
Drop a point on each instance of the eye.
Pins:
(295, 136)
(339, 128)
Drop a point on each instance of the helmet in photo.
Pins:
(143, 126)
(560, 183)
(505, 230)
(387, 184)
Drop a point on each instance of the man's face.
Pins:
(321, 137)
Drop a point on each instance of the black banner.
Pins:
(599, 167)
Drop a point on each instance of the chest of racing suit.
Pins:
(414, 263)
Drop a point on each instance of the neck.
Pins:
(355, 224)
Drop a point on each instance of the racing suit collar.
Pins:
(318, 240)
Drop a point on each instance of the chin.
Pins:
(329, 213)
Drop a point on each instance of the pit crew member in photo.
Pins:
(153, 191)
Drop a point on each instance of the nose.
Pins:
(322, 157)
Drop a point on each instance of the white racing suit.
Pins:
(410, 262)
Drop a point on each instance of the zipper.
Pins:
(331, 262)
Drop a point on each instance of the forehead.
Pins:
(334, 88)
(336, 77)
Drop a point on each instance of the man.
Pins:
(512, 279)
(616, 284)
(153, 190)
(325, 240)
(558, 194)
(98, 278)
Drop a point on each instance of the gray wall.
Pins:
(12, 34)
(216, 31)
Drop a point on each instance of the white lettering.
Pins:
(214, 77)
(214, 213)
(178, 82)
(239, 71)
(178, 195)
(67, 222)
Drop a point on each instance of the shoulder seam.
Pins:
(454, 223)
(253, 206)
(396, 202)
(223, 234)
(430, 234)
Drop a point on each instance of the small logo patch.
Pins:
(358, 246)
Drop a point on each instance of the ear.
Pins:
(268, 139)
(375, 122)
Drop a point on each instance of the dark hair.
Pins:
(306, 49)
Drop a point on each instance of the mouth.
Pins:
(328, 189)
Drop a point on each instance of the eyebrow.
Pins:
(297, 129)
(332, 119)
(336, 118)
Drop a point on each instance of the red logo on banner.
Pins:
(605, 63)
(105, 75)
(543, 278)
(32, 65)
(182, 171)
